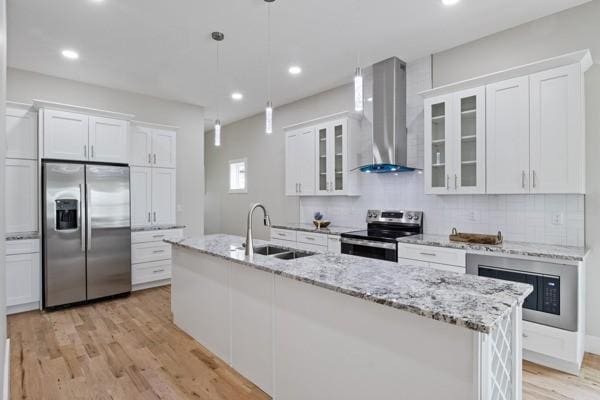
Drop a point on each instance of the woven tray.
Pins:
(479, 238)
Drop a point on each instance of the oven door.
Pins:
(554, 300)
(370, 249)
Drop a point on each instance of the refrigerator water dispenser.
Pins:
(66, 214)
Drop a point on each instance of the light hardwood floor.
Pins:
(130, 349)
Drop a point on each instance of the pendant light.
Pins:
(358, 78)
(269, 108)
(218, 37)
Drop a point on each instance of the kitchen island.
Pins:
(341, 327)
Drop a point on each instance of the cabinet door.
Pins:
(507, 136)
(108, 140)
(557, 131)
(439, 156)
(469, 142)
(324, 163)
(163, 196)
(140, 147)
(21, 133)
(306, 162)
(141, 196)
(21, 203)
(23, 275)
(164, 149)
(293, 163)
(339, 153)
(65, 135)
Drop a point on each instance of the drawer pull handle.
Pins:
(158, 251)
(281, 234)
(429, 254)
(156, 271)
(309, 238)
(525, 335)
(158, 236)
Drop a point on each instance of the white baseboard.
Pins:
(551, 362)
(6, 377)
(149, 285)
(592, 344)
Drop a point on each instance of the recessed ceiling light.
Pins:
(70, 54)
(237, 96)
(450, 2)
(295, 70)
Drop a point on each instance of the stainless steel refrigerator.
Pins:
(86, 232)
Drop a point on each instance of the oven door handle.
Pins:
(368, 243)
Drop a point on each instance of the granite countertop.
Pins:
(306, 227)
(567, 253)
(465, 300)
(156, 228)
(22, 236)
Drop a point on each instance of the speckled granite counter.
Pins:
(567, 253)
(302, 227)
(22, 236)
(464, 300)
(156, 228)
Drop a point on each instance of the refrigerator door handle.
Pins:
(88, 222)
(80, 209)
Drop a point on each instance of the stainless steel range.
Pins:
(380, 239)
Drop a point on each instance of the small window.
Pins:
(237, 176)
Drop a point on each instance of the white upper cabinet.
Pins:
(163, 196)
(557, 131)
(140, 179)
(65, 135)
(508, 136)
(21, 132)
(21, 199)
(300, 162)
(455, 143)
(332, 151)
(140, 153)
(108, 140)
(164, 149)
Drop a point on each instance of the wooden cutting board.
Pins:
(478, 238)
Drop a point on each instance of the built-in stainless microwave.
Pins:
(554, 300)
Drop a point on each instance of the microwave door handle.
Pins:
(88, 222)
(81, 216)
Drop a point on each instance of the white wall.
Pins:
(2, 155)
(24, 86)
(574, 29)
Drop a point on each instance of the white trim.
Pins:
(592, 344)
(21, 308)
(6, 377)
(150, 285)
(245, 189)
(582, 57)
(41, 104)
(339, 115)
(154, 125)
(18, 104)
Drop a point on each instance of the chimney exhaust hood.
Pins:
(385, 116)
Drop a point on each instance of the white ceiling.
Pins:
(163, 47)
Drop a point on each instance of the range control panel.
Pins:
(395, 217)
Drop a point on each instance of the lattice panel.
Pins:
(501, 368)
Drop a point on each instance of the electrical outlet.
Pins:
(557, 219)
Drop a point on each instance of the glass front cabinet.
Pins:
(455, 143)
(332, 151)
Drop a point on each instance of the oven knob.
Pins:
(410, 217)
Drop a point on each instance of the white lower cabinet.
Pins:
(309, 241)
(23, 276)
(451, 260)
(151, 258)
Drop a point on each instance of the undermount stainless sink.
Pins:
(270, 250)
(292, 255)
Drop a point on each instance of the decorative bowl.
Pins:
(321, 224)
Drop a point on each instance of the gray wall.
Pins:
(25, 86)
(266, 163)
(567, 31)
(2, 155)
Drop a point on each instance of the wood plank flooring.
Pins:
(130, 349)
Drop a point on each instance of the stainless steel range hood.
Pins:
(385, 112)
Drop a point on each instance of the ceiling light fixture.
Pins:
(218, 38)
(237, 96)
(295, 70)
(358, 79)
(70, 54)
(450, 2)
(269, 107)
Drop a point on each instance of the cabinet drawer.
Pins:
(145, 252)
(413, 263)
(155, 236)
(549, 341)
(317, 239)
(334, 244)
(433, 254)
(310, 247)
(150, 272)
(283, 234)
(22, 246)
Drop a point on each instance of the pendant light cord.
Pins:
(218, 79)
(269, 51)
